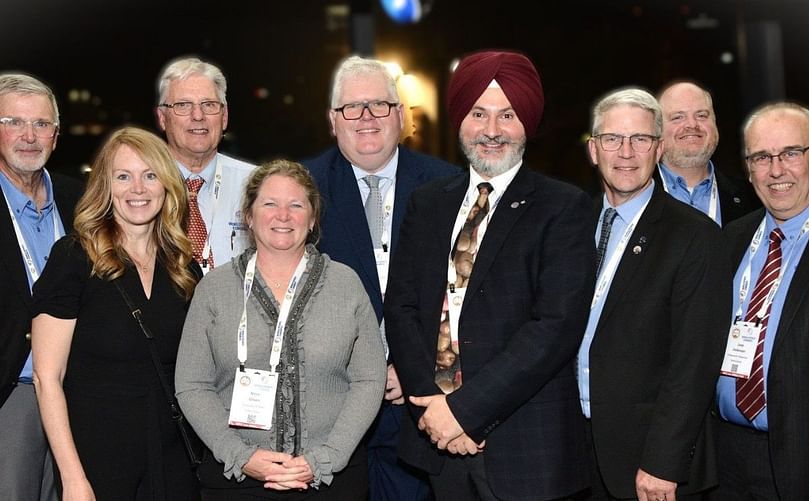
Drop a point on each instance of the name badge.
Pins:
(253, 399)
(454, 303)
(741, 349)
(382, 258)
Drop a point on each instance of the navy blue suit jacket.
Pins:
(344, 230)
(521, 324)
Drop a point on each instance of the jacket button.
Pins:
(27, 336)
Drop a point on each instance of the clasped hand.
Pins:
(442, 427)
(278, 470)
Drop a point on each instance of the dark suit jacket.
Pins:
(345, 236)
(520, 326)
(657, 350)
(15, 296)
(736, 196)
(788, 374)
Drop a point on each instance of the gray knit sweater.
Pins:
(341, 367)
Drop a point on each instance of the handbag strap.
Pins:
(136, 313)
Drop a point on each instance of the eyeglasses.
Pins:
(641, 143)
(184, 108)
(42, 128)
(790, 157)
(378, 109)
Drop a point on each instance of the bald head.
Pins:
(690, 135)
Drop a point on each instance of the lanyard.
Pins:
(744, 286)
(286, 305)
(26, 253)
(217, 186)
(608, 270)
(713, 204)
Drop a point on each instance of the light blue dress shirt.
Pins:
(792, 249)
(698, 197)
(626, 213)
(37, 230)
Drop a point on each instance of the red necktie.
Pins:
(196, 225)
(750, 392)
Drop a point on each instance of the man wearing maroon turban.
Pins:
(488, 297)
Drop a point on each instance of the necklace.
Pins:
(139, 265)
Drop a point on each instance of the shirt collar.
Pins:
(499, 182)
(628, 210)
(386, 172)
(791, 227)
(672, 179)
(206, 174)
(19, 201)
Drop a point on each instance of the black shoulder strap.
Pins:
(136, 313)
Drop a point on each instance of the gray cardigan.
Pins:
(342, 367)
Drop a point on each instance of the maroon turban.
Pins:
(515, 74)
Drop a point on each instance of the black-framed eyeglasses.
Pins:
(184, 108)
(378, 109)
(790, 157)
(42, 128)
(641, 143)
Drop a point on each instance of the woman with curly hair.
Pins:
(103, 408)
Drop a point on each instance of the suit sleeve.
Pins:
(557, 296)
(700, 315)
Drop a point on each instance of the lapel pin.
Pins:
(642, 239)
(636, 250)
(514, 205)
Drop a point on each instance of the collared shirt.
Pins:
(626, 213)
(229, 236)
(698, 197)
(37, 229)
(499, 184)
(387, 181)
(792, 249)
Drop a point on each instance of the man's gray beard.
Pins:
(680, 159)
(493, 168)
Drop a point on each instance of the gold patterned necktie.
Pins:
(196, 225)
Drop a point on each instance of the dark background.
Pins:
(102, 59)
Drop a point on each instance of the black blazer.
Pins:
(736, 196)
(788, 374)
(345, 236)
(15, 296)
(657, 350)
(521, 324)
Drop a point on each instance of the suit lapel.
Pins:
(408, 178)
(346, 202)
(635, 253)
(12, 257)
(510, 207)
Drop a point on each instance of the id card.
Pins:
(253, 399)
(382, 257)
(741, 349)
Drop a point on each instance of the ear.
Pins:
(225, 119)
(593, 151)
(161, 118)
(659, 152)
(332, 117)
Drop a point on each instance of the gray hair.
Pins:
(180, 69)
(770, 108)
(356, 66)
(18, 83)
(631, 96)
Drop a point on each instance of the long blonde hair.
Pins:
(102, 237)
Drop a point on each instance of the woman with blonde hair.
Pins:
(103, 408)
